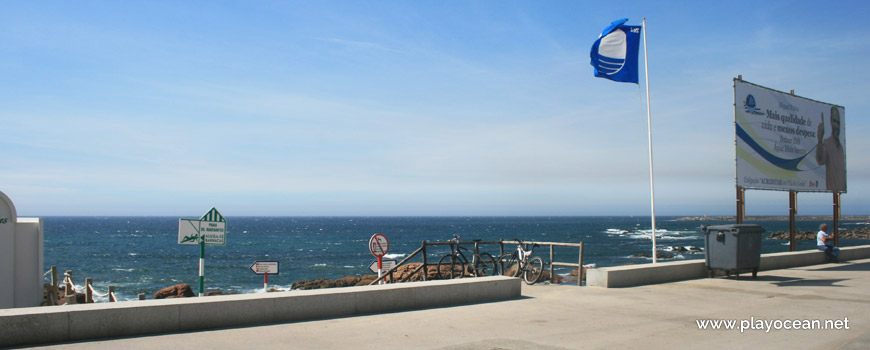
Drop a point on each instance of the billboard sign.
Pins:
(786, 142)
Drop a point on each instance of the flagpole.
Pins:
(649, 130)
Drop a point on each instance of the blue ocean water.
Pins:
(141, 254)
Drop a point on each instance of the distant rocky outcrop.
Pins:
(176, 291)
(856, 233)
(772, 218)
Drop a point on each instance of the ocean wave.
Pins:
(616, 231)
(394, 256)
(663, 235)
(688, 249)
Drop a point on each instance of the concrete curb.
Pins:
(642, 274)
(38, 325)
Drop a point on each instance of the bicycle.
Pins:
(521, 260)
(455, 262)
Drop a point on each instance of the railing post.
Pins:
(69, 286)
(89, 293)
(53, 295)
(425, 264)
(552, 259)
(580, 273)
(54, 276)
(112, 294)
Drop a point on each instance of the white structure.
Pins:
(20, 257)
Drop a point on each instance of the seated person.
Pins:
(825, 241)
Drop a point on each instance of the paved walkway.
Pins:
(570, 317)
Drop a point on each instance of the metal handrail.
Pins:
(501, 243)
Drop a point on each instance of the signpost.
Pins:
(386, 264)
(210, 229)
(379, 246)
(265, 268)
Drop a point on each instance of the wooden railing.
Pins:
(52, 290)
(551, 262)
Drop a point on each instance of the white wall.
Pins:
(21, 244)
(28, 262)
(8, 217)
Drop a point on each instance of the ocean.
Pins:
(141, 254)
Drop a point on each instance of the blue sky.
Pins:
(404, 107)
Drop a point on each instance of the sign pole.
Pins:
(266, 282)
(652, 196)
(201, 264)
(381, 268)
(379, 246)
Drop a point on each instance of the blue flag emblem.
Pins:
(614, 54)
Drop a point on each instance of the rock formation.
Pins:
(176, 291)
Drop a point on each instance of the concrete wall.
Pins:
(635, 275)
(20, 257)
(28, 262)
(8, 216)
(86, 321)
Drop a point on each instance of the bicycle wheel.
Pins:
(508, 264)
(533, 270)
(485, 265)
(450, 267)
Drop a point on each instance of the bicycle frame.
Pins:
(530, 267)
(480, 264)
(523, 254)
(456, 250)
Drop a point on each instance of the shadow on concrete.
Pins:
(781, 281)
(847, 267)
(810, 283)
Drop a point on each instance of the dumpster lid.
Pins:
(745, 228)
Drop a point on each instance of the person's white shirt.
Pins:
(820, 236)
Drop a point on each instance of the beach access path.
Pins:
(656, 316)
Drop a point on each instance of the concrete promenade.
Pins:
(569, 317)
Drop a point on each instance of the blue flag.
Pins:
(614, 54)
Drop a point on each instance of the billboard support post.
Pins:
(792, 211)
(741, 204)
(837, 219)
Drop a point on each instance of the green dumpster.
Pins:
(733, 248)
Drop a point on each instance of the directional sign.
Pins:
(387, 265)
(379, 245)
(211, 228)
(265, 267)
(188, 231)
